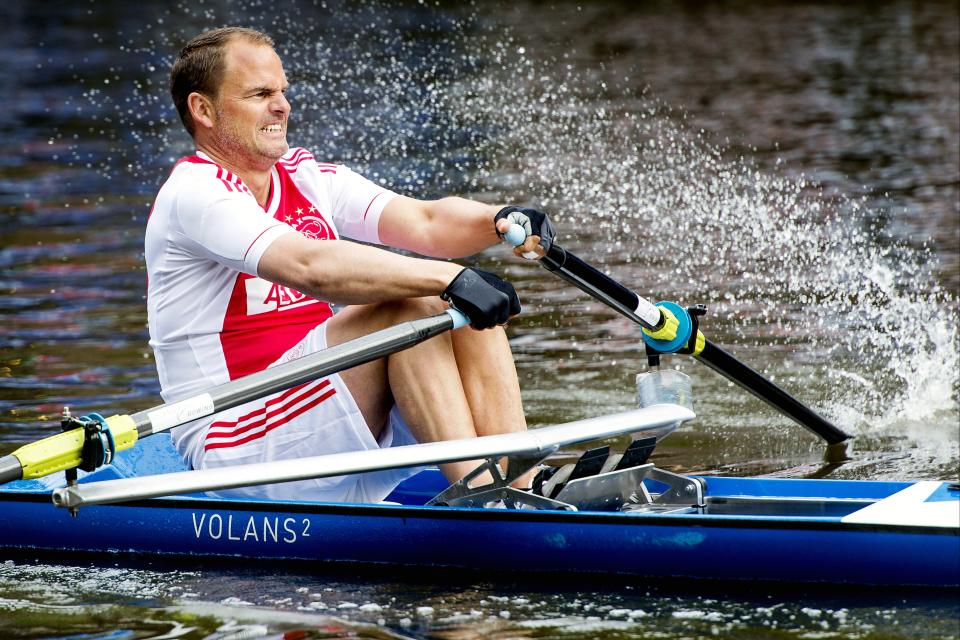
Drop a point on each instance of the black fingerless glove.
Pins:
(534, 222)
(483, 297)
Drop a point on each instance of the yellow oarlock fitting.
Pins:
(64, 450)
(668, 326)
(699, 344)
(675, 331)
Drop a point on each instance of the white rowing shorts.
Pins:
(316, 418)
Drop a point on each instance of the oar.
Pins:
(669, 328)
(117, 433)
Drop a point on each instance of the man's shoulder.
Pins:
(194, 173)
(298, 158)
(194, 165)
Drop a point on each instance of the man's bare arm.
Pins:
(446, 228)
(346, 272)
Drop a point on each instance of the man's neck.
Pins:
(257, 179)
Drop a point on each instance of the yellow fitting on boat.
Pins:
(124, 431)
(700, 343)
(668, 328)
(56, 453)
(62, 451)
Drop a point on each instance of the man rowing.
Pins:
(246, 257)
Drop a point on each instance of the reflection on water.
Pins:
(194, 604)
(795, 167)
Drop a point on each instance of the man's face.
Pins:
(251, 111)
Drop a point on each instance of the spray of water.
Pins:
(773, 255)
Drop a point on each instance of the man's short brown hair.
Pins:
(200, 66)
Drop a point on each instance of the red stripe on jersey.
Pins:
(271, 408)
(255, 240)
(293, 168)
(292, 163)
(314, 385)
(227, 185)
(298, 155)
(263, 320)
(367, 210)
(274, 424)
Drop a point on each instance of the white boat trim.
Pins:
(911, 507)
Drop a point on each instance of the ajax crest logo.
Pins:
(314, 227)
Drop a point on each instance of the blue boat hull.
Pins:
(810, 546)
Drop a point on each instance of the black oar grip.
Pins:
(560, 260)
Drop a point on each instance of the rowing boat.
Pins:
(608, 513)
(631, 519)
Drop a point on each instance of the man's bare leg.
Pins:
(489, 379)
(435, 383)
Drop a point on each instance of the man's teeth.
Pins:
(272, 128)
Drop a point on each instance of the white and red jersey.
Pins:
(211, 318)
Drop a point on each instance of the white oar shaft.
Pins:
(67, 450)
(331, 360)
(540, 442)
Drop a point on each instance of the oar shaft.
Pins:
(316, 365)
(751, 380)
(64, 450)
(618, 297)
(601, 286)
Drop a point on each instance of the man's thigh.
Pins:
(368, 382)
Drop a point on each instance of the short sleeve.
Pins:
(357, 205)
(229, 228)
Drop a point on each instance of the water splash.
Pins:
(776, 258)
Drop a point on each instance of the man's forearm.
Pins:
(446, 228)
(345, 272)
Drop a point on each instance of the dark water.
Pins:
(794, 166)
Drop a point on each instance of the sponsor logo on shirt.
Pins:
(264, 296)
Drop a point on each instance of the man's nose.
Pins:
(280, 105)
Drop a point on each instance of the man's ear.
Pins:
(201, 110)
